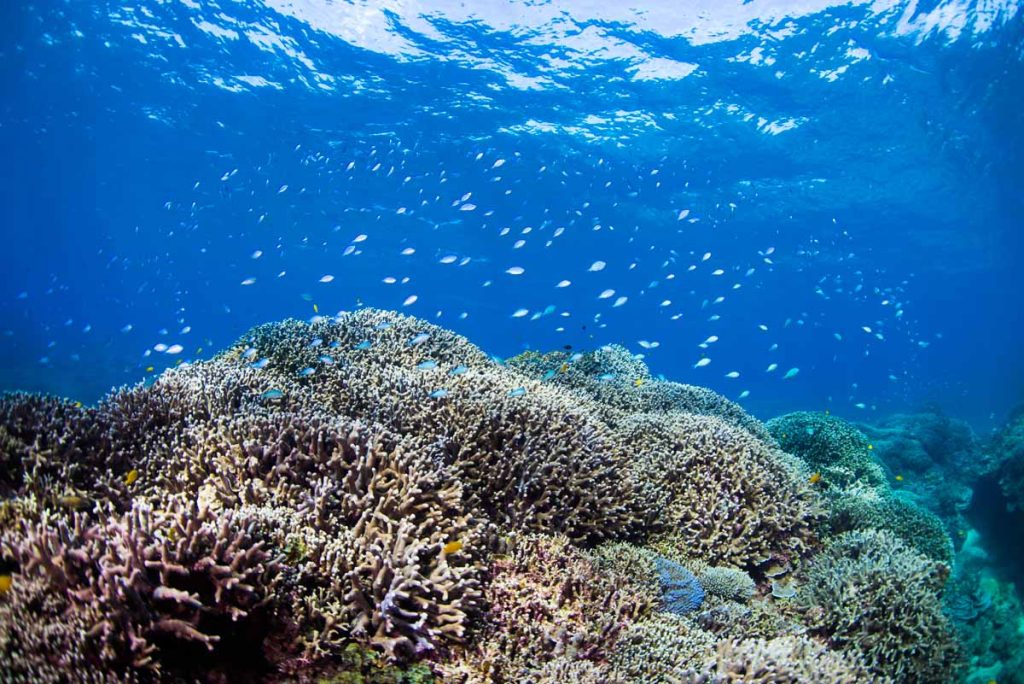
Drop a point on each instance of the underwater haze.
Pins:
(832, 187)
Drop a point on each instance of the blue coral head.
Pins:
(681, 593)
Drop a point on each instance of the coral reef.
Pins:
(727, 583)
(915, 526)
(1007, 460)
(830, 446)
(717, 491)
(784, 660)
(548, 601)
(853, 485)
(371, 498)
(937, 461)
(868, 594)
(662, 649)
(621, 385)
(681, 593)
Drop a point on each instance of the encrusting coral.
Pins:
(372, 498)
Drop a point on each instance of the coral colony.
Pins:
(372, 498)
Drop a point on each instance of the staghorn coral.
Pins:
(240, 520)
(413, 581)
(725, 496)
(869, 594)
(830, 446)
(547, 602)
(50, 447)
(621, 384)
(915, 526)
(504, 449)
(661, 649)
(44, 639)
(784, 660)
(153, 580)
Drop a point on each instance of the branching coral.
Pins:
(829, 445)
(621, 385)
(153, 580)
(870, 595)
(728, 498)
(915, 526)
(44, 637)
(728, 583)
(784, 660)
(548, 601)
(372, 483)
(661, 649)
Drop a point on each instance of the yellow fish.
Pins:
(452, 547)
(814, 478)
(5, 583)
(638, 382)
(131, 477)
(74, 502)
(564, 368)
(899, 478)
(316, 309)
(871, 447)
(149, 369)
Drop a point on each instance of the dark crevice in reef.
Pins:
(1001, 526)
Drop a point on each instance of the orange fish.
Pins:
(452, 547)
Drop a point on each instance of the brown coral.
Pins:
(725, 496)
(869, 594)
(784, 660)
(547, 602)
(152, 580)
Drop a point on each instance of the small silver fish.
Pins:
(439, 394)
(419, 339)
(262, 363)
(458, 370)
(517, 392)
(306, 372)
(427, 365)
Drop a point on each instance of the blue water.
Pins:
(875, 147)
